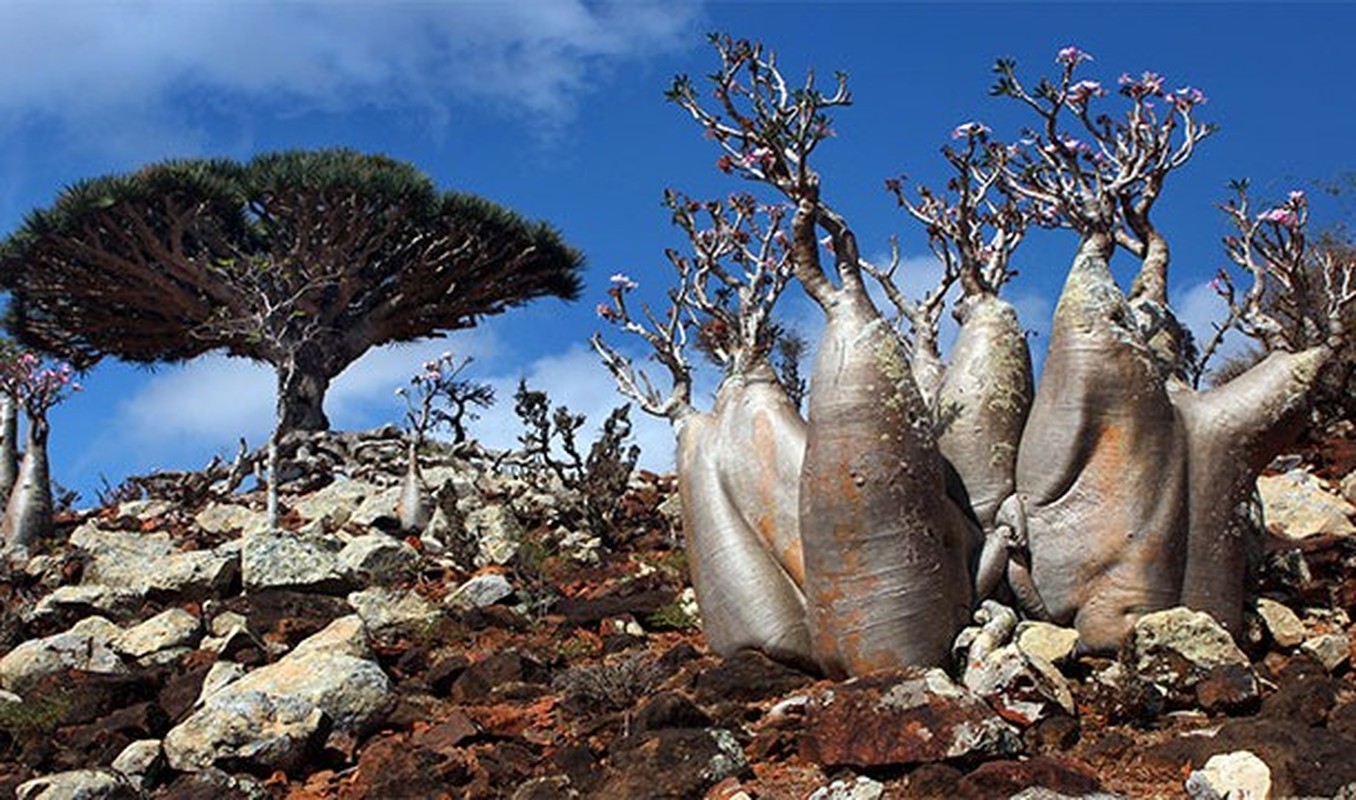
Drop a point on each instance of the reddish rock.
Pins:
(479, 680)
(908, 717)
(393, 766)
(745, 677)
(672, 763)
(1006, 778)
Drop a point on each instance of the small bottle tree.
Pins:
(34, 387)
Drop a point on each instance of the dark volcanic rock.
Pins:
(1006, 778)
(586, 612)
(479, 680)
(672, 763)
(907, 717)
(1304, 761)
(745, 677)
(668, 710)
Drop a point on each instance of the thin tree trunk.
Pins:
(1234, 431)
(28, 516)
(9, 445)
(1102, 465)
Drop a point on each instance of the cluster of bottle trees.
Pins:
(859, 536)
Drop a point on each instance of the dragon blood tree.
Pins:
(35, 388)
(1129, 482)
(739, 463)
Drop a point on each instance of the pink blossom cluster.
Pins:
(1188, 97)
(969, 129)
(621, 284)
(37, 386)
(1081, 92)
(1071, 55)
(1288, 214)
(1149, 84)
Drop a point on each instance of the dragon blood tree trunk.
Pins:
(1102, 468)
(886, 550)
(984, 401)
(28, 516)
(747, 598)
(1234, 431)
(761, 450)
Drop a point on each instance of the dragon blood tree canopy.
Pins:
(302, 259)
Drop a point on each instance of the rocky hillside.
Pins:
(532, 643)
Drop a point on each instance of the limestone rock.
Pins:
(387, 613)
(149, 563)
(377, 506)
(480, 591)
(908, 717)
(173, 628)
(80, 784)
(1240, 775)
(497, 533)
(1299, 505)
(1047, 641)
(286, 560)
(253, 728)
(1023, 689)
(1332, 650)
(1349, 487)
(86, 647)
(271, 716)
(1178, 648)
(377, 558)
(194, 574)
(863, 788)
(85, 600)
(141, 760)
(145, 510)
(231, 518)
(331, 507)
(1282, 624)
(219, 675)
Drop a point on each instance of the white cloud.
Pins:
(111, 72)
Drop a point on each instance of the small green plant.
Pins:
(672, 616)
(36, 717)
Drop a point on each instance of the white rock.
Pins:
(480, 591)
(119, 559)
(86, 647)
(378, 558)
(272, 714)
(86, 598)
(1349, 487)
(390, 613)
(863, 788)
(1332, 650)
(377, 506)
(1020, 686)
(219, 675)
(262, 730)
(497, 533)
(1053, 643)
(1298, 504)
(286, 560)
(1240, 775)
(333, 506)
(1281, 623)
(1162, 642)
(231, 518)
(80, 784)
(196, 573)
(141, 760)
(145, 510)
(171, 628)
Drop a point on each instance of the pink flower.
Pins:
(757, 157)
(968, 129)
(1071, 55)
(622, 281)
(1297, 197)
(827, 242)
(1280, 216)
(1188, 96)
(1081, 91)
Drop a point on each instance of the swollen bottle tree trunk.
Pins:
(887, 581)
(1234, 431)
(1101, 468)
(28, 516)
(761, 450)
(303, 381)
(747, 597)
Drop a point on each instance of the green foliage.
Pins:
(35, 716)
(672, 616)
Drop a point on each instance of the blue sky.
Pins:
(556, 110)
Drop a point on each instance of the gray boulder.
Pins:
(1178, 648)
(480, 591)
(87, 647)
(378, 558)
(80, 784)
(272, 559)
(173, 631)
(1298, 504)
(250, 728)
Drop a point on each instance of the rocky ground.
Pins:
(534, 644)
